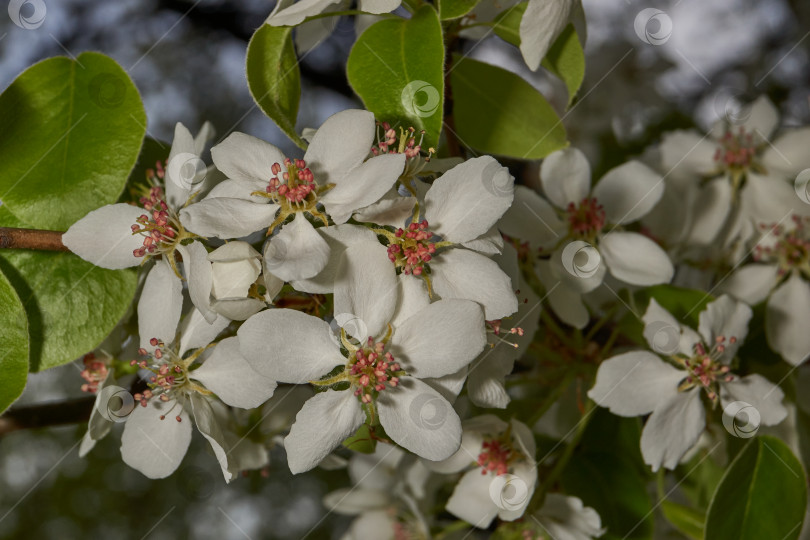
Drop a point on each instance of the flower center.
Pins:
(736, 151)
(790, 251)
(586, 219)
(94, 372)
(411, 249)
(159, 228)
(389, 142)
(496, 455)
(705, 369)
(372, 369)
(298, 181)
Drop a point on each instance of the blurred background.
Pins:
(187, 59)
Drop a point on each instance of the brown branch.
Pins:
(12, 238)
(55, 413)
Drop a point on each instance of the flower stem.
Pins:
(13, 238)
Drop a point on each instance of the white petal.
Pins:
(296, 13)
(196, 332)
(688, 152)
(413, 297)
(472, 439)
(233, 279)
(231, 189)
(465, 274)
(183, 149)
(635, 259)
(365, 290)
(565, 301)
(338, 238)
(728, 318)
(227, 218)
(233, 251)
(788, 156)
(378, 6)
(210, 429)
(104, 236)
(310, 34)
(153, 446)
(763, 118)
(323, 423)
(419, 419)
(463, 203)
(238, 309)
(709, 211)
(199, 277)
(392, 210)
(297, 252)
(629, 191)
(759, 392)
(376, 524)
(664, 334)
(672, 429)
(541, 23)
(485, 386)
(532, 219)
(246, 159)
(160, 305)
(439, 339)
(489, 243)
(566, 518)
(769, 199)
(786, 317)
(289, 346)
(353, 501)
(362, 186)
(634, 383)
(340, 145)
(471, 500)
(751, 283)
(566, 177)
(226, 373)
(450, 385)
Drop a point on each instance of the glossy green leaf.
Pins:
(507, 23)
(274, 78)
(13, 345)
(361, 441)
(762, 495)
(453, 9)
(687, 520)
(608, 474)
(72, 130)
(71, 304)
(396, 67)
(566, 60)
(497, 112)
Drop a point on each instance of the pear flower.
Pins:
(780, 273)
(584, 233)
(158, 431)
(640, 382)
(387, 350)
(121, 235)
(265, 189)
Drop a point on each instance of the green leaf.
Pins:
(507, 24)
(762, 495)
(13, 345)
(361, 441)
(609, 456)
(274, 78)
(566, 60)
(71, 304)
(71, 133)
(687, 520)
(453, 9)
(397, 66)
(497, 112)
